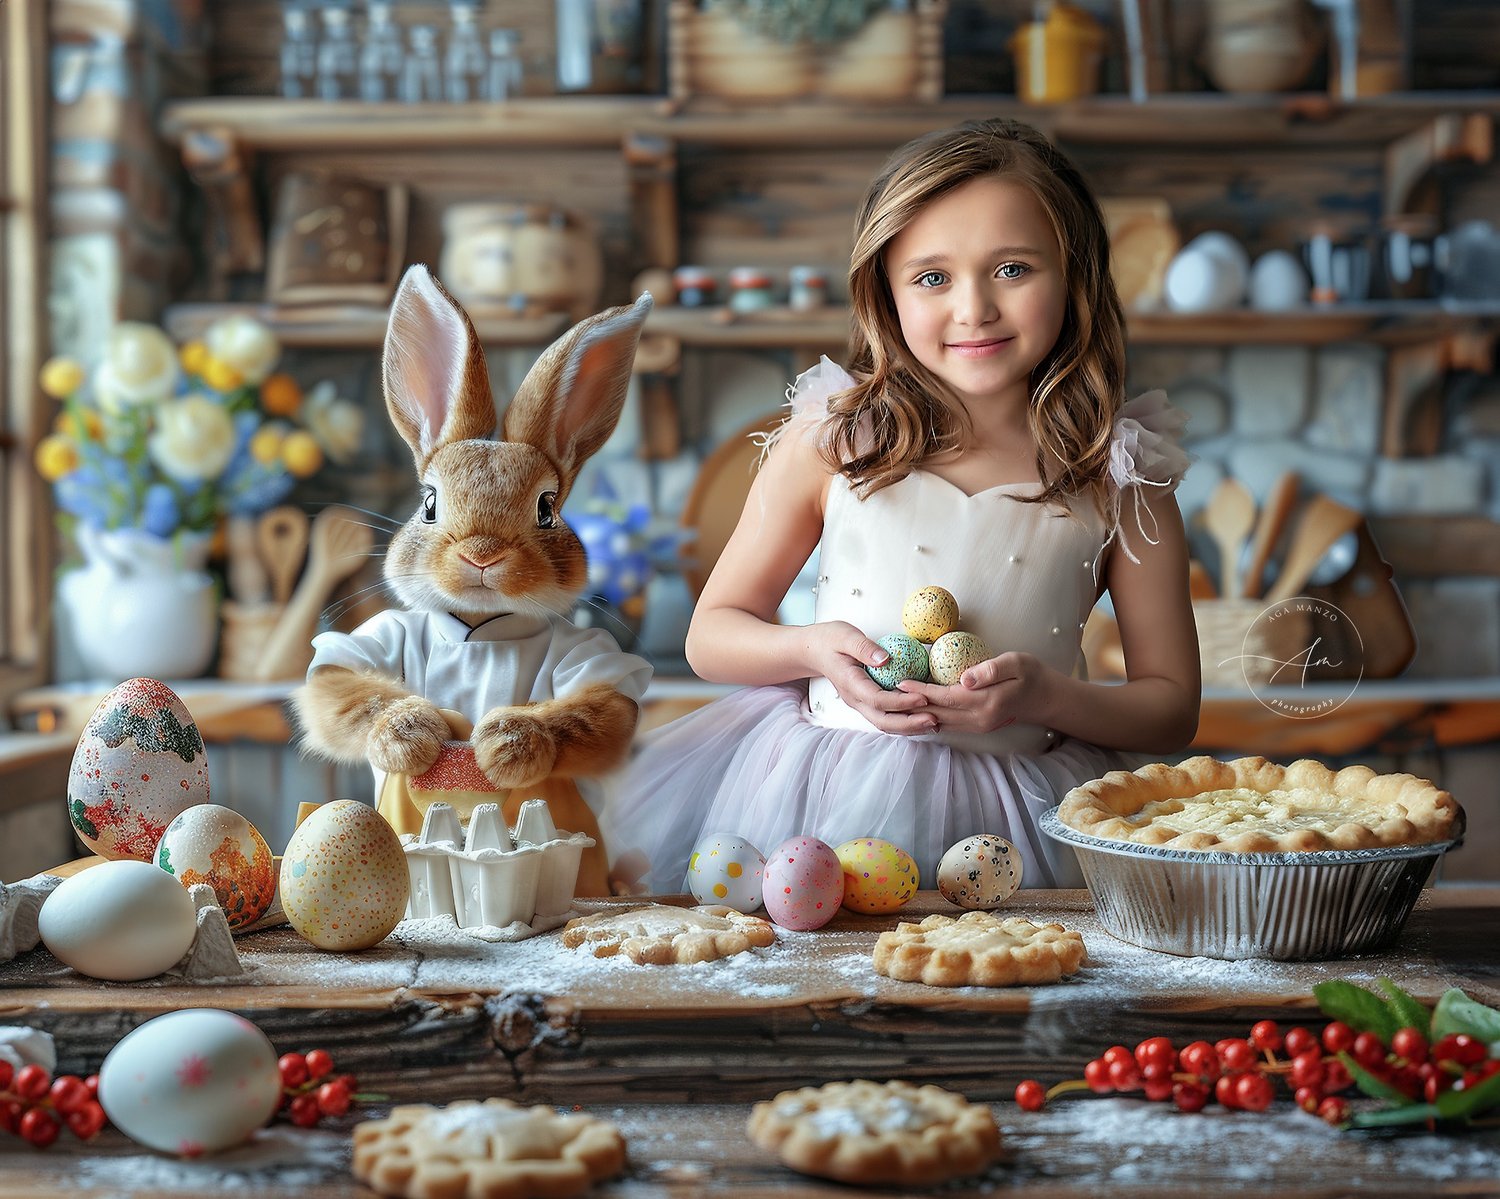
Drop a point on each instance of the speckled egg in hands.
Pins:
(952, 654)
(804, 883)
(879, 876)
(980, 872)
(727, 869)
(929, 612)
(907, 660)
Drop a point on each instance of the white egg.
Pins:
(191, 1082)
(120, 920)
(726, 869)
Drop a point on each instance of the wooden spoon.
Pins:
(281, 535)
(1229, 517)
(1273, 517)
(338, 546)
(1322, 523)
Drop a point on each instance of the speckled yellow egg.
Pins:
(879, 876)
(980, 872)
(344, 882)
(952, 654)
(929, 612)
(140, 761)
(906, 658)
(212, 844)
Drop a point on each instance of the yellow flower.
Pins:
(301, 453)
(245, 344)
(280, 395)
(82, 424)
(265, 444)
(55, 457)
(338, 424)
(194, 357)
(219, 375)
(139, 367)
(194, 438)
(61, 377)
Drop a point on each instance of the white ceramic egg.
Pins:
(1277, 282)
(140, 761)
(209, 843)
(979, 872)
(804, 883)
(191, 1082)
(344, 882)
(726, 869)
(121, 920)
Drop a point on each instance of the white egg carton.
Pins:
(490, 875)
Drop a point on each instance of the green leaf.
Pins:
(1409, 1012)
(1416, 1113)
(1456, 1013)
(1460, 1105)
(1375, 1088)
(1361, 1010)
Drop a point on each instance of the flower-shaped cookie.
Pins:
(978, 950)
(659, 935)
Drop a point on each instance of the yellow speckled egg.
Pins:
(952, 654)
(879, 876)
(979, 872)
(212, 844)
(344, 882)
(929, 612)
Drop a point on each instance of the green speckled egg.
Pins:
(908, 660)
(954, 653)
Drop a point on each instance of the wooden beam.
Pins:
(1419, 547)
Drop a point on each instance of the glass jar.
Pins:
(807, 288)
(750, 289)
(695, 286)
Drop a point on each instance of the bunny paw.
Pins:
(407, 736)
(514, 750)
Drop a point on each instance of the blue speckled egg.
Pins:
(908, 660)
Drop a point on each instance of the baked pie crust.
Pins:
(1254, 806)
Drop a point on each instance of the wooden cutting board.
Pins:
(1368, 596)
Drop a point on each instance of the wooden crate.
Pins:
(896, 57)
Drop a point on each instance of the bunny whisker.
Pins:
(388, 523)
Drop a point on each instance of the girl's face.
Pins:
(978, 284)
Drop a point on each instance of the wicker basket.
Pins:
(1237, 649)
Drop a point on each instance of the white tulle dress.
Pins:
(768, 763)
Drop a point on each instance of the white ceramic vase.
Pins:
(141, 606)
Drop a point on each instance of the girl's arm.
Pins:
(734, 637)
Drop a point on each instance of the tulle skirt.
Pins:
(754, 764)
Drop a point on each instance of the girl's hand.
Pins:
(991, 695)
(839, 652)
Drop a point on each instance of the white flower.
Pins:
(245, 344)
(337, 423)
(194, 439)
(139, 367)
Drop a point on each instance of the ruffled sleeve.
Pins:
(1145, 451)
(807, 405)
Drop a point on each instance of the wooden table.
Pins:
(676, 1055)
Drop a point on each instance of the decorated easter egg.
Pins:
(344, 882)
(929, 612)
(907, 660)
(212, 844)
(122, 921)
(191, 1082)
(727, 869)
(952, 654)
(879, 876)
(981, 871)
(804, 883)
(139, 762)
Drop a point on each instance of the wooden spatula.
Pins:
(1273, 517)
(281, 536)
(1229, 518)
(1322, 523)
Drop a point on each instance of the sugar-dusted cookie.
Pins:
(489, 1150)
(658, 935)
(978, 950)
(892, 1133)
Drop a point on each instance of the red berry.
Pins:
(1202, 1059)
(1300, 1040)
(1117, 1053)
(86, 1121)
(1490, 1068)
(1031, 1096)
(1125, 1075)
(92, 1082)
(1335, 1076)
(11, 1112)
(319, 1063)
(1408, 1080)
(1253, 1092)
(293, 1068)
(69, 1094)
(1307, 1069)
(1225, 1090)
(1338, 1037)
(1308, 1098)
(1435, 1085)
(334, 1098)
(1334, 1110)
(304, 1111)
(1158, 1051)
(1410, 1044)
(6, 1072)
(1096, 1074)
(1369, 1050)
(1237, 1055)
(39, 1127)
(1266, 1034)
(1468, 1051)
(32, 1082)
(1189, 1096)
(1158, 1089)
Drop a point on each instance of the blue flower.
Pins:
(159, 512)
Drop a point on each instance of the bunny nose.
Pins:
(480, 552)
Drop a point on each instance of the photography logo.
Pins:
(1302, 658)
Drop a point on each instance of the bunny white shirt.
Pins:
(510, 659)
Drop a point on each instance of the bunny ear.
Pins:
(569, 402)
(437, 389)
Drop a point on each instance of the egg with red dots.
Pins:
(804, 884)
(725, 869)
(879, 876)
(980, 872)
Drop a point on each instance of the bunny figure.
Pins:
(486, 569)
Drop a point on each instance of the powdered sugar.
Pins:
(282, 1157)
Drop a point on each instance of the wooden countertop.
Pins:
(676, 1055)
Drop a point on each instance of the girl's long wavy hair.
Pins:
(899, 413)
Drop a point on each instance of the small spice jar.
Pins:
(750, 289)
(695, 286)
(807, 288)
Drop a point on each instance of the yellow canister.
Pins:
(1058, 58)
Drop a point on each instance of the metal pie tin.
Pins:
(1281, 906)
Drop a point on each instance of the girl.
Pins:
(980, 444)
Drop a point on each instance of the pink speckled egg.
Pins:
(804, 883)
(879, 876)
(140, 761)
(344, 882)
(212, 844)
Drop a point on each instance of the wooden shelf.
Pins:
(355, 326)
(718, 327)
(1206, 120)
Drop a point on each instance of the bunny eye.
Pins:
(546, 510)
(429, 505)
